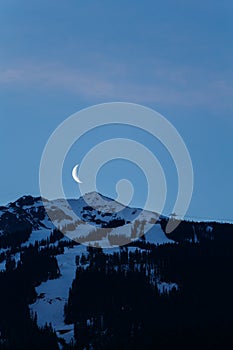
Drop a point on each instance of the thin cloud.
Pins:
(163, 84)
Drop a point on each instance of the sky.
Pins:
(174, 56)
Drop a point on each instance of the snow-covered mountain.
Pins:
(27, 221)
(96, 220)
(80, 219)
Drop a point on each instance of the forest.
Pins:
(141, 296)
(115, 302)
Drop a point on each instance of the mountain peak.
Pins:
(103, 203)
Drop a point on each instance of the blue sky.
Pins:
(57, 57)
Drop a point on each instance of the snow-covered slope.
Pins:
(77, 218)
(53, 294)
(93, 220)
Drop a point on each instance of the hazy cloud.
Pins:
(165, 84)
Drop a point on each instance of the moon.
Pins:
(74, 174)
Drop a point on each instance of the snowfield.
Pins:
(53, 294)
(156, 235)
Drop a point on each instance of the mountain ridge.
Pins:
(34, 213)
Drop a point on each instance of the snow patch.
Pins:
(166, 287)
(156, 235)
(53, 294)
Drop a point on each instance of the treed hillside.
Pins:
(159, 291)
(18, 326)
(115, 304)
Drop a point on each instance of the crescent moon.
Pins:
(74, 174)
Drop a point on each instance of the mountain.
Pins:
(67, 292)
(28, 219)
(95, 219)
(26, 222)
